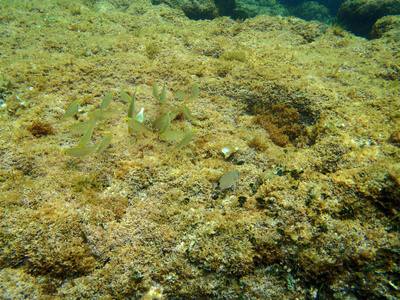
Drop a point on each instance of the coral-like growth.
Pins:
(39, 128)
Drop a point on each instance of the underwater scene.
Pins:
(200, 149)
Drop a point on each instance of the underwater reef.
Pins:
(357, 16)
(149, 155)
(360, 16)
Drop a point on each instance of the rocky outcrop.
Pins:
(359, 16)
(388, 26)
(312, 10)
(202, 9)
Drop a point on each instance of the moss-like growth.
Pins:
(281, 122)
(38, 128)
(93, 182)
(235, 55)
(258, 144)
(152, 50)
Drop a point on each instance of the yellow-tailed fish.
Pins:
(71, 110)
(186, 140)
(103, 145)
(81, 127)
(85, 139)
(135, 125)
(173, 135)
(106, 101)
(187, 112)
(79, 151)
(101, 115)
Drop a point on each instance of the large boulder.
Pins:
(312, 10)
(262, 7)
(332, 5)
(388, 26)
(359, 16)
(201, 9)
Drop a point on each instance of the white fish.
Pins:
(228, 179)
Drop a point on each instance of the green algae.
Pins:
(159, 229)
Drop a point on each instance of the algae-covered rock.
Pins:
(332, 5)
(262, 7)
(359, 16)
(312, 10)
(197, 9)
(202, 9)
(313, 215)
(225, 7)
(388, 26)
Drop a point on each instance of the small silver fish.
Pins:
(228, 179)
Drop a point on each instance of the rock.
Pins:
(194, 9)
(225, 7)
(359, 16)
(332, 5)
(139, 8)
(388, 26)
(262, 7)
(312, 10)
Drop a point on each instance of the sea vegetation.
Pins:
(235, 55)
(312, 217)
(5, 87)
(152, 50)
(282, 123)
(40, 128)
